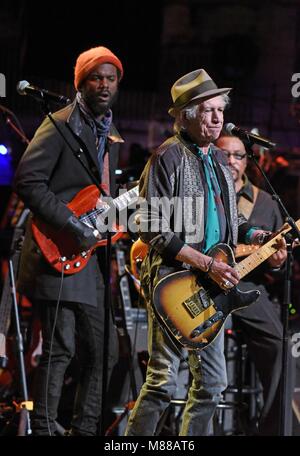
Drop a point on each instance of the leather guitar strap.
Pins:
(105, 173)
(83, 150)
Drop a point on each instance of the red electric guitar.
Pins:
(60, 248)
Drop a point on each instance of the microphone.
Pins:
(24, 88)
(245, 135)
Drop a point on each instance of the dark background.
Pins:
(250, 45)
(58, 32)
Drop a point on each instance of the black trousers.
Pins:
(262, 330)
(79, 330)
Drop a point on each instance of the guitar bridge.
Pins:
(193, 306)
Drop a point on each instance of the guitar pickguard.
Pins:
(193, 307)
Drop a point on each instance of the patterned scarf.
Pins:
(100, 128)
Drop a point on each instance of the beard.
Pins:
(98, 106)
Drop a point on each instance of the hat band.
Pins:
(193, 92)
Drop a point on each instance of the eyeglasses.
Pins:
(235, 155)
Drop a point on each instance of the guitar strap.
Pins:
(105, 173)
(225, 198)
(245, 207)
(89, 169)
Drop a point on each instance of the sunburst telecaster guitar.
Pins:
(193, 308)
(60, 249)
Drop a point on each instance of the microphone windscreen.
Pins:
(21, 86)
(228, 127)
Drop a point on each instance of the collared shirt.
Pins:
(247, 192)
(265, 215)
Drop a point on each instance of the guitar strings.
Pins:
(95, 212)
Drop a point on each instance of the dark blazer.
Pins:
(47, 178)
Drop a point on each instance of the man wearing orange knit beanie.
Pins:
(49, 176)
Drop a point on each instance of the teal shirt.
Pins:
(212, 226)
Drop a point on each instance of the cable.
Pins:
(50, 350)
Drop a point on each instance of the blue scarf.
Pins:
(215, 229)
(100, 128)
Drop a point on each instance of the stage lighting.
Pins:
(3, 149)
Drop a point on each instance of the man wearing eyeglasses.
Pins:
(260, 323)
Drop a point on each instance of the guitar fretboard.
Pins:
(258, 257)
(127, 198)
(243, 250)
(120, 203)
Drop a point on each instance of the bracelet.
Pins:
(209, 266)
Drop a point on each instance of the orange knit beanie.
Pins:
(91, 58)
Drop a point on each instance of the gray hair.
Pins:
(190, 112)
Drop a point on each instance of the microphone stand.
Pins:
(106, 335)
(26, 405)
(24, 427)
(16, 127)
(289, 237)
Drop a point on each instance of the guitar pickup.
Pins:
(204, 298)
(197, 303)
(206, 324)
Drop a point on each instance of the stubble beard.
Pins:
(99, 108)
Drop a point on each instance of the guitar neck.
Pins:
(126, 199)
(247, 265)
(243, 250)
(121, 202)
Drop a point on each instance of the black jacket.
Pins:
(47, 178)
(175, 173)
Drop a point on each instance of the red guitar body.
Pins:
(60, 248)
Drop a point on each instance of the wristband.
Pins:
(209, 266)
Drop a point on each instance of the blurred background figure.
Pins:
(260, 322)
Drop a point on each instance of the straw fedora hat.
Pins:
(192, 86)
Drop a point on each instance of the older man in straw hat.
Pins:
(49, 176)
(191, 171)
